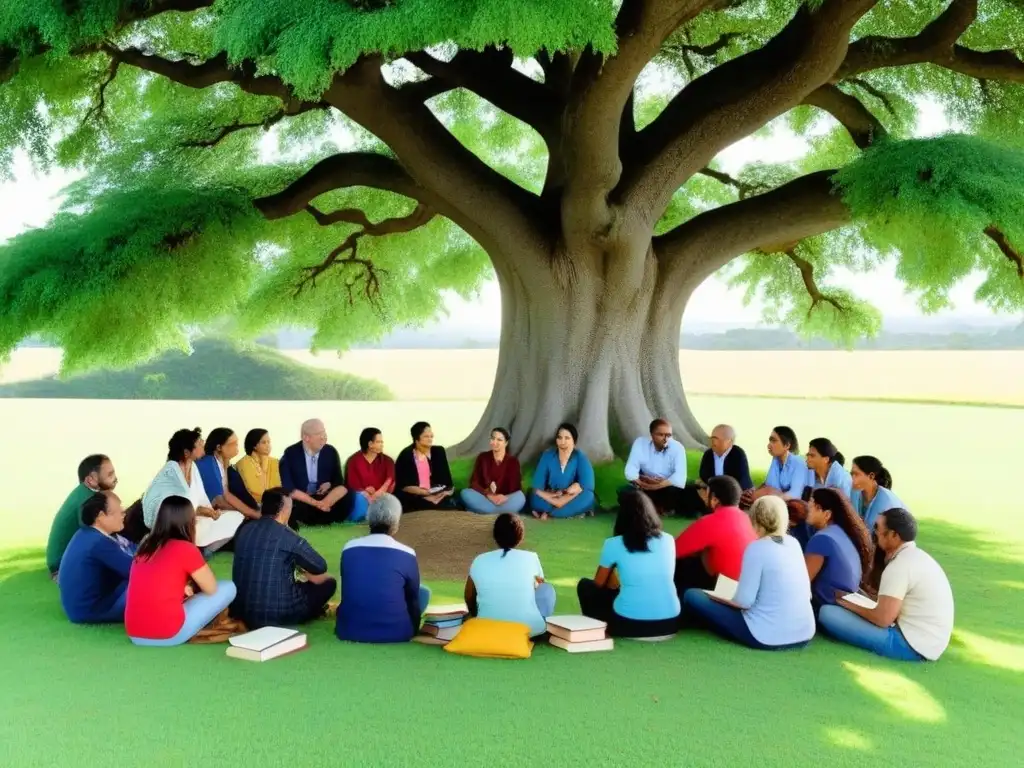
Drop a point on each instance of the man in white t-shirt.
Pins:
(913, 619)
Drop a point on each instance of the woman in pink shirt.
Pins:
(713, 546)
(423, 479)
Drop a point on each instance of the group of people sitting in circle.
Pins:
(796, 545)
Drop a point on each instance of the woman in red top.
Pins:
(713, 545)
(497, 482)
(162, 607)
(369, 474)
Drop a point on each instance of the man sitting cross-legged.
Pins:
(95, 567)
(311, 475)
(657, 466)
(95, 473)
(267, 552)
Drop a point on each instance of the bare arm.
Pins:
(205, 580)
(470, 596)
(814, 565)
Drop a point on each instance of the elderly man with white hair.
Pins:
(724, 457)
(382, 600)
(311, 474)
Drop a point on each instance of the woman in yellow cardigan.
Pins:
(259, 470)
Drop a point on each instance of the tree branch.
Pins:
(349, 169)
(807, 274)
(490, 75)
(502, 216)
(744, 189)
(420, 216)
(11, 58)
(98, 109)
(935, 44)
(802, 208)
(226, 130)
(709, 50)
(864, 128)
(735, 99)
(1000, 239)
(599, 91)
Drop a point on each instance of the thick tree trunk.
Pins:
(587, 345)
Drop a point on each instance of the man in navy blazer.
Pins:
(724, 457)
(311, 474)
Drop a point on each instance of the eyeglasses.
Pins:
(663, 434)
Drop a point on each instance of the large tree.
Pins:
(572, 142)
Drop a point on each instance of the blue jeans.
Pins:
(583, 503)
(357, 506)
(847, 627)
(724, 620)
(200, 610)
(545, 594)
(424, 598)
(475, 501)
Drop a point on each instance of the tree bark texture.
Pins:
(589, 346)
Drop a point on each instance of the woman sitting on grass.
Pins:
(422, 474)
(163, 607)
(497, 481)
(771, 609)
(258, 469)
(872, 490)
(825, 467)
(382, 599)
(563, 483)
(787, 474)
(839, 553)
(369, 474)
(508, 583)
(219, 477)
(633, 589)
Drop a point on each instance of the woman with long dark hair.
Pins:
(633, 589)
(163, 607)
(840, 551)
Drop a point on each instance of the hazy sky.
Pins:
(31, 200)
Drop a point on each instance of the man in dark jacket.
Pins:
(311, 474)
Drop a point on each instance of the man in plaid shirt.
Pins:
(267, 555)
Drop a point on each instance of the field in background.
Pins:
(941, 376)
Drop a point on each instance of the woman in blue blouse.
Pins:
(563, 483)
(787, 474)
(872, 490)
(825, 467)
(771, 609)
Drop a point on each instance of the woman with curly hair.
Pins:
(840, 551)
(633, 589)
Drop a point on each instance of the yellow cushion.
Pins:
(492, 639)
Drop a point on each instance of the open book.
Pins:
(725, 588)
(210, 531)
(265, 644)
(862, 600)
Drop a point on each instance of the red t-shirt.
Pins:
(361, 474)
(722, 535)
(156, 590)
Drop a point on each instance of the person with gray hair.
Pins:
(724, 457)
(382, 599)
(311, 474)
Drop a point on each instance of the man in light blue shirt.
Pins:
(657, 466)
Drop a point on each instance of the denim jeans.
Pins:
(475, 501)
(200, 610)
(724, 620)
(545, 594)
(847, 627)
(580, 505)
(358, 506)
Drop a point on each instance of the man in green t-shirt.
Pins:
(95, 473)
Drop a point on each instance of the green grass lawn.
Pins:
(85, 696)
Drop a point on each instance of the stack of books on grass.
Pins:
(265, 644)
(441, 623)
(579, 634)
